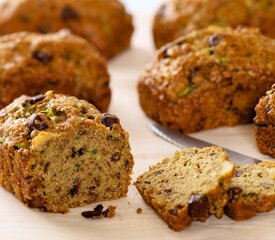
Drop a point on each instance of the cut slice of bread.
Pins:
(252, 190)
(189, 186)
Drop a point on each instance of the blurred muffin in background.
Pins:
(177, 17)
(32, 63)
(104, 23)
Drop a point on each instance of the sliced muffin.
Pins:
(58, 152)
(189, 186)
(252, 190)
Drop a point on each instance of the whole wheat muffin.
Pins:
(104, 23)
(177, 17)
(208, 78)
(33, 63)
(189, 186)
(58, 152)
(265, 123)
(252, 190)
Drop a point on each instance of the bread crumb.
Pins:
(139, 210)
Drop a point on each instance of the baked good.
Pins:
(58, 152)
(104, 23)
(189, 186)
(33, 63)
(262, 14)
(265, 123)
(177, 17)
(252, 190)
(208, 78)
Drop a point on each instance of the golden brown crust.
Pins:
(265, 123)
(58, 152)
(104, 23)
(252, 191)
(177, 17)
(208, 78)
(33, 63)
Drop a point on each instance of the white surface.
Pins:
(20, 222)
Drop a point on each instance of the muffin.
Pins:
(189, 186)
(58, 152)
(265, 123)
(32, 63)
(177, 17)
(209, 78)
(252, 190)
(101, 22)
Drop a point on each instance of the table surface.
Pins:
(20, 222)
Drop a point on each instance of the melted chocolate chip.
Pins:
(42, 57)
(214, 40)
(35, 99)
(198, 207)
(37, 122)
(68, 13)
(109, 120)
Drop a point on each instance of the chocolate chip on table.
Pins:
(37, 122)
(198, 207)
(99, 213)
(109, 120)
(68, 13)
(214, 40)
(42, 57)
(35, 99)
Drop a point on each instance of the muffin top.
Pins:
(50, 114)
(212, 56)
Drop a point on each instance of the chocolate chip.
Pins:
(74, 189)
(198, 207)
(96, 213)
(37, 122)
(109, 120)
(35, 99)
(165, 53)
(42, 57)
(234, 192)
(192, 74)
(214, 40)
(266, 185)
(68, 13)
(105, 213)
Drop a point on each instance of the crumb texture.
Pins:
(252, 190)
(189, 186)
(58, 152)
